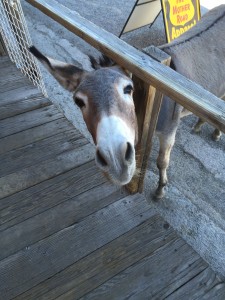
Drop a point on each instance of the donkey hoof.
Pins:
(216, 135)
(196, 129)
(215, 138)
(159, 193)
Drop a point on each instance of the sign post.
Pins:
(144, 12)
(179, 16)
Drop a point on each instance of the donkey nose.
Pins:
(101, 159)
(129, 152)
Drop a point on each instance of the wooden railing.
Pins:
(155, 78)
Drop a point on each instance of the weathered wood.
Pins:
(28, 120)
(188, 94)
(101, 265)
(2, 47)
(127, 269)
(147, 105)
(205, 285)
(12, 109)
(14, 86)
(8, 85)
(2, 50)
(32, 175)
(70, 210)
(5, 59)
(38, 152)
(32, 135)
(150, 278)
(21, 207)
(70, 186)
(18, 94)
(151, 272)
(9, 71)
(10, 74)
(43, 259)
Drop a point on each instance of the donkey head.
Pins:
(105, 99)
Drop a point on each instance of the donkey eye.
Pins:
(79, 102)
(128, 89)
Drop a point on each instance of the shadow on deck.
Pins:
(65, 232)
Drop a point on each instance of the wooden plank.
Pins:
(4, 59)
(35, 174)
(40, 151)
(42, 260)
(48, 194)
(148, 269)
(12, 85)
(70, 210)
(127, 268)
(10, 73)
(99, 266)
(8, 68)
(28, 120)
(188, 94)
(12, 82)
(20, 206)
(11, 76)
(34, 134)
(18, 94)
(3, 51)
(25, 105)
(6, 63)
(157, 277)
(147, 112)
(206, 285)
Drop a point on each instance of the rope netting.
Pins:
(16, 38)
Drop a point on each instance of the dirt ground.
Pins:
(195, 202)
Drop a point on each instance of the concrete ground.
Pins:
(195, 201)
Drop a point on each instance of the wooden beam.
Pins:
(147, 111)
(190, 95)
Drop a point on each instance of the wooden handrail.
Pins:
(188, 94)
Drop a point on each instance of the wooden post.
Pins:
(147, 104)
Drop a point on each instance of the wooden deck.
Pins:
(65, 233)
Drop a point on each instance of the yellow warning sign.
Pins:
(179, 16)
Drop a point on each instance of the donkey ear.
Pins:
(69, 76)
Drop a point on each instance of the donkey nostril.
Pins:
(100, 159)
(129, 152)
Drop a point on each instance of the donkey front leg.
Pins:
(166, 145)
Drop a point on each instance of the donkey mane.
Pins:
(102, 62)
(205, 24)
